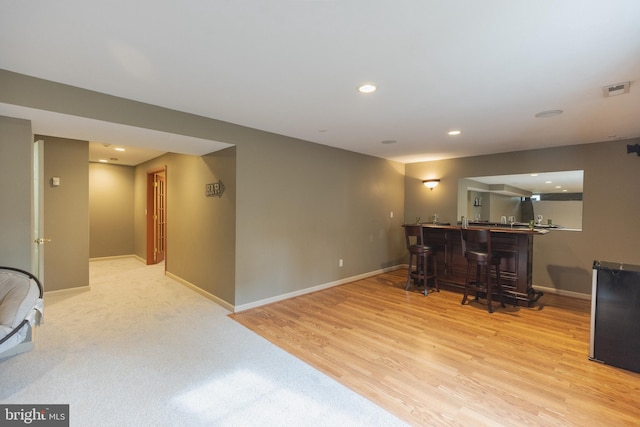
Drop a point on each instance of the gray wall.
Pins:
(66, 213)
(111, 200)
(303, 206)
(65, 207)
(16, 146)
(562, 259)
(200, 230)
(299, 206)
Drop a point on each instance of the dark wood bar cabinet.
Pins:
(515, 246)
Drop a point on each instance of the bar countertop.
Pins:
(496, 228)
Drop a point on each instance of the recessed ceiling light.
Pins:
(367, 88)
(534, 174)
(119, 149)
(454, 132)
(548, 113)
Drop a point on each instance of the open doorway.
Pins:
(156, 215)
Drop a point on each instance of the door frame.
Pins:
(150, 213)
(37, 210)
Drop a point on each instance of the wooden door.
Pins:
(156, 216)
(159, 217)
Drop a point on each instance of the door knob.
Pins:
(42, 241)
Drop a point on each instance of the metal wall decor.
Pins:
(215, 189)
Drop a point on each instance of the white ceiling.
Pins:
(140, 144)
(292, 67)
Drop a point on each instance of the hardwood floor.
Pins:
(431, 361)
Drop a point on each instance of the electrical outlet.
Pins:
(340, 263)
(391, 215)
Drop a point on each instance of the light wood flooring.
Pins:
(431, 361)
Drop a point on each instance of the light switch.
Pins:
(55, 181)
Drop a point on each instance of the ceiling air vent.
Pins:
(616, 89)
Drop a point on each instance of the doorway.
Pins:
(37, 254)
(156, 215)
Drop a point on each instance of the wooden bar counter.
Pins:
(514, 244)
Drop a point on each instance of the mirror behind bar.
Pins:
(557, 196)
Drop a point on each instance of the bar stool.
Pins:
(476, 247)
(422, 253)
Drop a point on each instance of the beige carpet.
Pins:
(140, 349)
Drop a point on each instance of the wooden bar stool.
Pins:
(476, 247)
(421, 252)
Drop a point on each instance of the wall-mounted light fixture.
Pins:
(431, 183)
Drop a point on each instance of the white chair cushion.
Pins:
(18, 296)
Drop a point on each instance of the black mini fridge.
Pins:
(615, 315)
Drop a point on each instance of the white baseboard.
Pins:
(201, 291)
(88, 288)
(578, 295)
(68, 291)
(282, 297)
(546, 290)
(105, 258)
